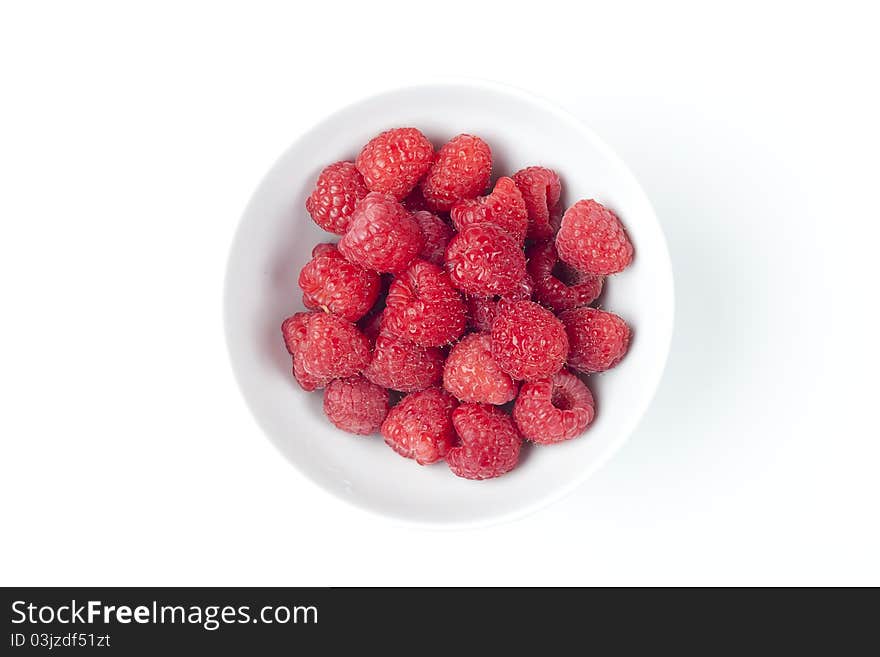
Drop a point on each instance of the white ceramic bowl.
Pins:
(274, 240)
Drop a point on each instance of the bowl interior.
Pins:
(274, 241)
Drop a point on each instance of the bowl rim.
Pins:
(557, 493)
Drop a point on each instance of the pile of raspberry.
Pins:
(455, 319)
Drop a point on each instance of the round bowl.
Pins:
(274, 241)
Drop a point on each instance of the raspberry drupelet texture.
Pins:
(461, 170)
(307, 335)
(528, 341)
(333, 347)
(484, 260)
(332, 284)
(382, 235)
(473, 376)
(326, 249)
(294, 330)
(437, 234)
(423, 307)
(356, 405)
(336, 192)
(403, 365)
(489, 442)
(482, 310)
(558, 286)
(306, 381)
(540, 188)
(420, 426)
(504, 207)
(592, 240)
(554, 409)
(395, 161)
(598, 340)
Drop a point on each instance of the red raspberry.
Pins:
(294, 330)
(437, 234)
(558, 286)
(327, 249)
(395, 161)
(382, 235)
(472, 375)
(483, 260)
(356, 405)
(305, 380)
(541, 189)
(337, 286)
(554, 409)
(528, 342)
(592, 240)
(403, 365)
(333, 348)
(489, 442)
(332, 202)
(504, 207)
(420, 426)
(482, 311)
(461, 170)
(422, 306)
(598, 340)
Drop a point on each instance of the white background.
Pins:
(131, 138)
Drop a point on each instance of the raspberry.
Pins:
(541, 189)
(395, 161)
(305, 380)
(528, 341)
(356, 405)
(327, 249)
(332, 347)
(403, 365)
(504, 207)
(422, 306)
(598, 340)
(461, 170)
(337, 286)
(554, 409)
(295, 330)
(382, 235)
(420, 426)
(472, 375)
(484, 260)
(336, 192)
(558, 286)
(592, 240)
(482, 311)
(437, 234)
(489, 442)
